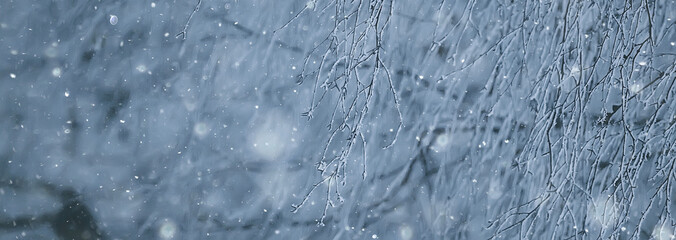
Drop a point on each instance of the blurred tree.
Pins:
(342, 119)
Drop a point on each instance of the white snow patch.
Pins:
(441, 142)
(167, 229)
(271, 136)
(662, 232)
(310, 5)
(56, 72)
(604, 211)
(406, 232)
(113, 20)
(141, 68)
(635, 88)
(201, 129)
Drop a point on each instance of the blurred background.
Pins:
(219, 119)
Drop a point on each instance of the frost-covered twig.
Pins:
(184, 32)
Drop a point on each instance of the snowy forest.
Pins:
(337, 119)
